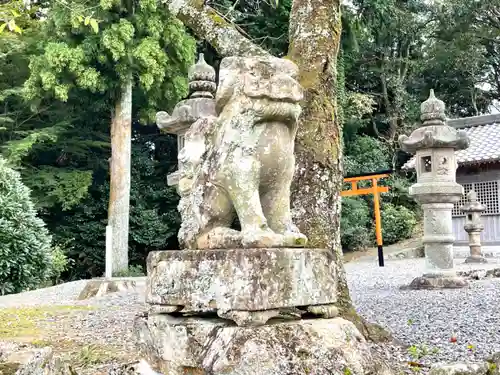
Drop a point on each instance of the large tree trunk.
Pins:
(119, 195)
(315, 30)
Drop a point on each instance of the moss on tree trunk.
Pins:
(315, 30)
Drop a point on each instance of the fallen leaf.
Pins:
(416, 364)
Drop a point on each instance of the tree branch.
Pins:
(385, 91)
(375, 128)
(405, 63)
(211, 26)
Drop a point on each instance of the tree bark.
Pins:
(209, 25)
(315, 31)
(119, 195)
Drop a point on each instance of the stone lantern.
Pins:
(473, 226)
(201, 103)
(434, 144)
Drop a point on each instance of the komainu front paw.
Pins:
(262, 238)
(295, 239)
(219, 238)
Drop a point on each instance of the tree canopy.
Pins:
(61, 72)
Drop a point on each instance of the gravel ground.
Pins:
(103, 322)
(427, 320)
(62, 294)
(59, 294)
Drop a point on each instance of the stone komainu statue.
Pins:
(241, 163)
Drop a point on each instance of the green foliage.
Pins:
(26, 258)
(355, 224)
(67, 187)
(417, 352)
(60, 264)
(143, 41)
(266, 23)
(154, 220)
(399, 192)
(364, 155)
(48, 144)
(398, 223)
(382, 52)
(13, 15)
(356, 109)
(80, 55)
(17, 149)
(466, 55)
(133, 271)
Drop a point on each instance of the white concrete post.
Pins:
(109, 252)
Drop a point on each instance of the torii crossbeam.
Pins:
(375, 190)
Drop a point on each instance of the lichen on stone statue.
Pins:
(241, 163)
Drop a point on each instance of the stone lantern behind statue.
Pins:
(474, 226)
(200, 104)
(434, 144)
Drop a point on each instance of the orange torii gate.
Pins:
(375, 190)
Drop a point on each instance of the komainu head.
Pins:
(268, 84)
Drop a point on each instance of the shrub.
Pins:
(354, 224)
(399, 193)
(364, 155)
(398, 223)
(26, 257)
(60, 263)
(133, 271)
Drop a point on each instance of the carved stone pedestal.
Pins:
(247, 286)
(101, 287)
(180, 345)
(283, 302)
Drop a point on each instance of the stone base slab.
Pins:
(462, 251)
(476, 259)
(101, 287)
(437, 282)
(180, 345)
(221, 281)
